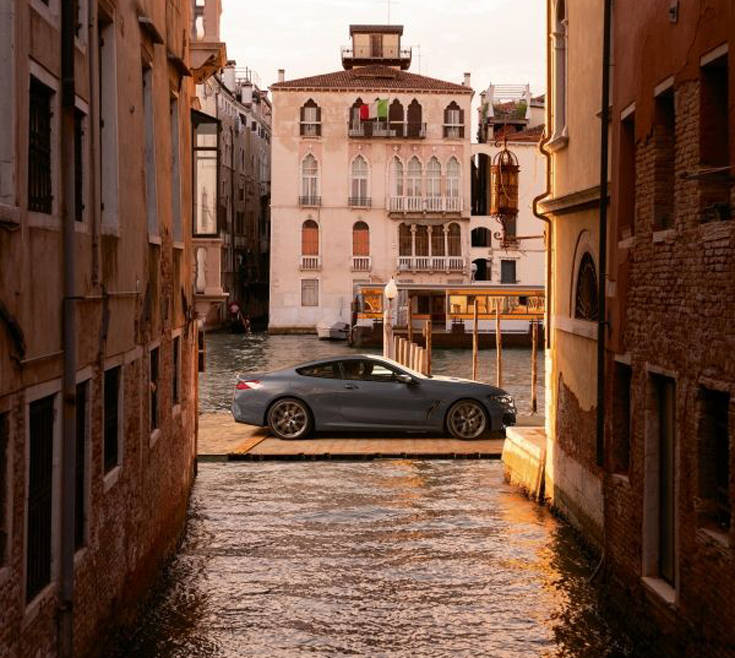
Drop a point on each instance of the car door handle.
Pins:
(351, 386)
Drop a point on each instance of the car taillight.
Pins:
(244, 386)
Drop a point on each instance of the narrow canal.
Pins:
(384, 558)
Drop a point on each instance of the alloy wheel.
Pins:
(467, 420)
(289, 419)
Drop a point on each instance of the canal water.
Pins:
(228, 354)
(383, 558)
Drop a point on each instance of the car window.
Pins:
(370, 371)
(326, 370)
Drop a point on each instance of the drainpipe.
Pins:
(547, 190)
(66, 610)
(602, 315)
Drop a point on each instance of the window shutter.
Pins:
(301, 120)
(319, 121)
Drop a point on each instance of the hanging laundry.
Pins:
(364, 112)
(379, 109)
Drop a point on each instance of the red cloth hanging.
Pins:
(364, 112)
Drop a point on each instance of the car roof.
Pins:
(346, 357)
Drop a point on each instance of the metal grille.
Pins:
(80, 467)
(40, 198)
(112, 388)
(40, 471)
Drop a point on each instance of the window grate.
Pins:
(40, 197)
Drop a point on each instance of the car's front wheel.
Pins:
(466, 419)
(290, 418)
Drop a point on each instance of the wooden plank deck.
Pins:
(221, 439)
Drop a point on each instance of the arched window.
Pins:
(453, 178)
(422, 240)
(437, 241)
(309, 238)
(454, 240)
(395, 117)
(480, 237)
(360, 239)
(355, 120)
(433, 178)
(404, 240)
(561, 25)
(359, 182)
(311, 119)
(585, 297)
(453, 120)
(414, 126)
(309, 180)
(413, 178)
(396, 177)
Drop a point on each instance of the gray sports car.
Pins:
(366, 392)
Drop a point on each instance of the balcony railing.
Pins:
(311, 263)
(361, 263)
(388, 129)
(368, 54)
(310, 201)
(431, 263)
(360, 201)
(425, 204)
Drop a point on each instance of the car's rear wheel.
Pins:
(466, 419)
(290, 418)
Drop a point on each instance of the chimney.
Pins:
(281, 75)
(466, 82)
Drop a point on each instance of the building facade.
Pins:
(94, 219)
(371, 180)
(232, 236)
(670, 370)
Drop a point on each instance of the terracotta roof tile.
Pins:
(372, 78)
(529, 135)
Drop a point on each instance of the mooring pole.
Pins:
(498, 347)
(534, 370)
(475, 336)
(428, 346)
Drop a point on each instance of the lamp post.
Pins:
(390, 292)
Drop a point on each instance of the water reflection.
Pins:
(228, 354)
(387, 558)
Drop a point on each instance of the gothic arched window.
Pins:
(585, 298)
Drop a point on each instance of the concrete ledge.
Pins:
(524, 459)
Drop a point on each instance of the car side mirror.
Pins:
(405, 378)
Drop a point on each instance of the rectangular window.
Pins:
(79, 165)
(40, 495)
(622, 378)
(507, 271)
(149, 152)
(665, 142)
(310, 292)
(40, 194)
(627, 178)
(714, 145)
(176, 370)
(4, 486)
(205, 178)
(178, 234)
(107, 87)
(111, 418)
(664, 410)
(714, 460)
(80, 465)
(154, 388)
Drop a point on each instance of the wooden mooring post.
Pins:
(475, 339)
(498, 348)
(534, 372)
(427, 335)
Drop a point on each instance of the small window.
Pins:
(714, 460)
(480, 237)
(311, 119)
(176, 370)
(310, 292)
(40, 194)
(80, 468)
(324, 370)
(111, 418)
(507, 271)
(622, 377)
(585, 298)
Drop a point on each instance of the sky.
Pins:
(499, 41)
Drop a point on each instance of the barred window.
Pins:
(40, 197)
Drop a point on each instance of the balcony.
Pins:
(388, 56)
(310, 201)
(425, 204)
(361, 263)
(310, 263)
(431, 264)
(360, 201)
(386, 129)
